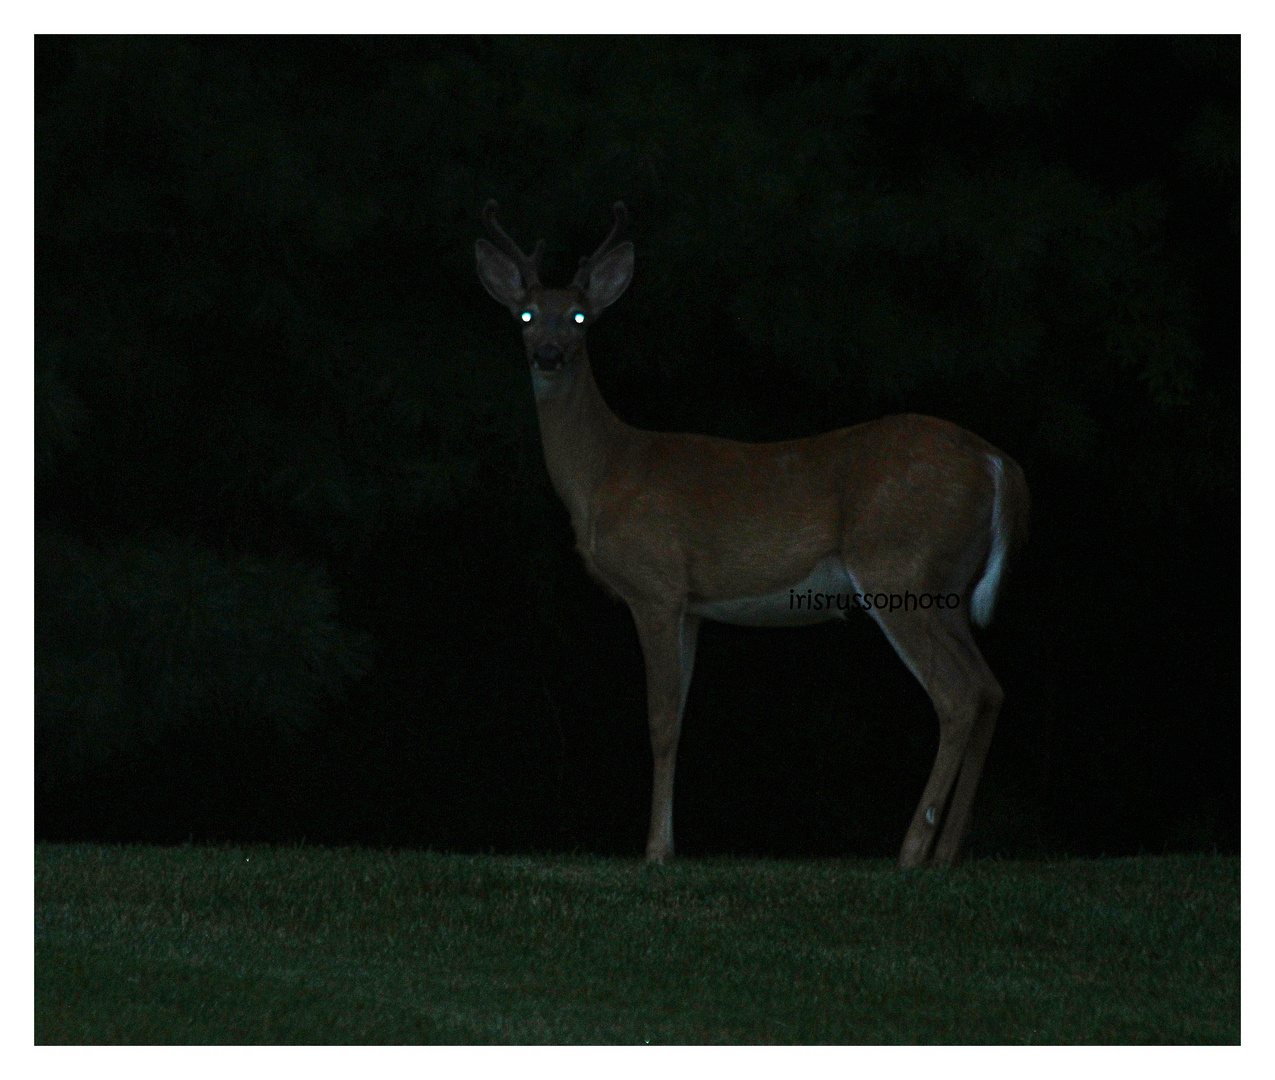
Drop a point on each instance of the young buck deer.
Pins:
(686, 527)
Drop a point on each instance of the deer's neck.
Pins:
(582, 439)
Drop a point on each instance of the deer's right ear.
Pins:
(609, 276)
(499, 275)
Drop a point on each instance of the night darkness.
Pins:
(300, 573)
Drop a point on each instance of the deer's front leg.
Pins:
(668, 645)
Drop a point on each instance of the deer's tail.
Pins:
(1011, 505)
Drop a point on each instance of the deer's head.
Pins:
(554, 321)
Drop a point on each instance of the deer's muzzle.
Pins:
(548, 357)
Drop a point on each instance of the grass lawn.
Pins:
(315, 945)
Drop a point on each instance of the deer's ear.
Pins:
(499, 275)
(610, 276)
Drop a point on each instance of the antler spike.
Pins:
(586, 265)
(528, 265)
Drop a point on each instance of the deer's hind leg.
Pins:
(939, 651)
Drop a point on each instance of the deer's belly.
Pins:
(827, 592)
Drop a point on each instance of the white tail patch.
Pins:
(983, 602)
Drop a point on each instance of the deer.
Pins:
(685, 527)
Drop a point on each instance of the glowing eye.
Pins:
(579, 317)
(526, 316)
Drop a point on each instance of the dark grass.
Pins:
(311, 945)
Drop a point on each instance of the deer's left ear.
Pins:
(499, 275)
(610, 276)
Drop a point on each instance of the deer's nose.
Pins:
(548, 356)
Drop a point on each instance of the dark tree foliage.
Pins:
(299, 570)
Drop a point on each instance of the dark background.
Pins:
(300, 574)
